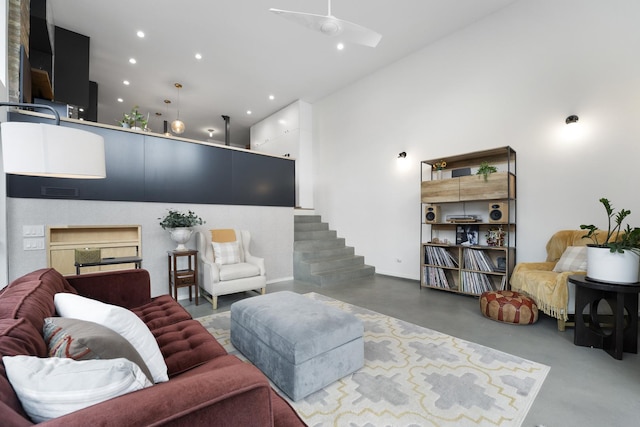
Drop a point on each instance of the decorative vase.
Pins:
(439, 174)
(612, 267)
(181, 235)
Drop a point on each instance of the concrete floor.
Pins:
(585, 387)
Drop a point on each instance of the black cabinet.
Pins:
(149, 168)
(71, 68)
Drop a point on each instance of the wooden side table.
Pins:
(185, 277)
(623, 300)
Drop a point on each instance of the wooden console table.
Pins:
(137, 261)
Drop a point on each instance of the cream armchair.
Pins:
(233, 270)
(550, 289)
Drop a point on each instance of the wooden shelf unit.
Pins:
(468, 268)
(114, 241)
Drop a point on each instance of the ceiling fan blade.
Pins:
(358, 34)
(332, 26)
(309, 20)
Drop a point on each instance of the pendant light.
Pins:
(177, 126)
(166, 131)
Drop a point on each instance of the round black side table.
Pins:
(590, 331)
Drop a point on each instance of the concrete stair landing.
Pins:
(320, 257)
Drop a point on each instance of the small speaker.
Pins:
(432, 214)
(499, 212)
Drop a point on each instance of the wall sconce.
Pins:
(39, 149)
(402, 155)
(571, 119)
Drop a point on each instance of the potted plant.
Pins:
(486, 169)
(134, 119)
(180, 226)
(616, 258)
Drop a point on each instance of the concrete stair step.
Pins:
(344, 274)
(308, 270)
(297, 219)
(323, 254)
(310, 226)
(314, 235)
(335, 263)
(312, 245)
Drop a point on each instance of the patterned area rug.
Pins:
(414, 376)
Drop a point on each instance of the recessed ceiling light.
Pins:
(125, 82)
(120, 100)
(282, 122)
(248, 111)
(132, 60)
(271, 97)
(81, 109)
(198, 56)
(340, 46)
(140, 34)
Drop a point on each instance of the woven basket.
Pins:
(88, 255)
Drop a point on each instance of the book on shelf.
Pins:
(437, 255)
(475, 283)
(475, 259)
(436, 277)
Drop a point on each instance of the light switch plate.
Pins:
(33, 230)
(33, 244)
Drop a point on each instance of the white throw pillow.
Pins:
(574, 258)
(120, 320)
(52, 387)
(226, 253)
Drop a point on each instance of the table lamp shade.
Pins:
(52, 151)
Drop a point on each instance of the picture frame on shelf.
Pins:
(467, 235)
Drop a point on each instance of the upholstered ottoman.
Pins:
(302, 345)
(509, 307)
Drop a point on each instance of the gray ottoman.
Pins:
(302, 345)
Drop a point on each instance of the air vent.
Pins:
(59, 192)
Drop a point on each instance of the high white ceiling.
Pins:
(247, 53)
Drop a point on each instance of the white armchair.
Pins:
(226, 266)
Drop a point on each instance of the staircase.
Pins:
(320, 257)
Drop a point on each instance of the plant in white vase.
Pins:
(616, 258)
(180, 226)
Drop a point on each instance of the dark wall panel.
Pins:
(186, 172)
(147, 168)
(125, 172)
(262, 180)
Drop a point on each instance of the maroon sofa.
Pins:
(206, 387)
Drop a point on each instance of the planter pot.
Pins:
(181, 235)
(605, 266)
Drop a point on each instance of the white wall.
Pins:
(271, 231)
(510, 79)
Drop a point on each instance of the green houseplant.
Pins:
(133, 119)
(486, 169)
(622, 245)
(177, 219)
(180, 226)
